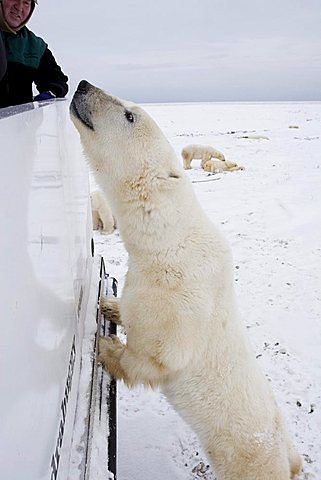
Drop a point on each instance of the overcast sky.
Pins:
(187, 50)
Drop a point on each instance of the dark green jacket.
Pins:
(3, 59)
(29, 61)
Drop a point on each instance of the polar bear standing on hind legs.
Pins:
(182, 335)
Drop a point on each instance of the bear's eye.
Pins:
(129, 116)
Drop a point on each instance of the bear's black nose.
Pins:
(84, 86)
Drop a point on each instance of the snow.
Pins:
(270, 213)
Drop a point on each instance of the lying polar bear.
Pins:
(199, 152)
(102, 216)
(178, 304)
(217, 166)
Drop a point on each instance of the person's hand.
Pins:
(44, 96)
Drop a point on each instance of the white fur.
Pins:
(178, 304)
(102, 216)
(199, 152)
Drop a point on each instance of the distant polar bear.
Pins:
(217, 166)
(199, 152)
(102, 216)
(178, 303)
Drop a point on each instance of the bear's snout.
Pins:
(79, 108)
(84, 87)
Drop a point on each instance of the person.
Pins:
(3, 58)
(29, 59)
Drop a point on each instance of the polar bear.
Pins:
(199, 152)
(178, 304)
(218, 166)
(102, 216)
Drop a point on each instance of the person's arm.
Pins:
(49, 76)
(3, 58)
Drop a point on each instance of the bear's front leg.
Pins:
(110, 309)
(125, 364)
(110, 351)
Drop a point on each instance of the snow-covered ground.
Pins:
(270, 213)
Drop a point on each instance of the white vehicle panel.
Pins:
(45, 269)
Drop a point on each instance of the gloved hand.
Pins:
(44, 96)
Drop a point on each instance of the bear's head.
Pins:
(122, 142)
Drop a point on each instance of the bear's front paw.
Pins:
(109, 347)
(110, 350)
